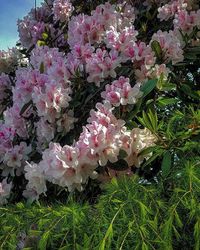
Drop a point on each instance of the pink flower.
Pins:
(121, 40)
(62, 10)
(32, 26)
(45, 130)
(14, 120)
(84, 29)
(187, 21)
(15, 158)
(101, 65)
(121, 92)
(169, 10)
(30, 31)
(83, 52)
(7, 135)
(66, 122)
(26, 80)
(170, 46)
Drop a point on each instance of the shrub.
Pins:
(94, 91)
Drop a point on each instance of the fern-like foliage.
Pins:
(131, 214)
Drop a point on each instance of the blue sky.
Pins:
(10, 11)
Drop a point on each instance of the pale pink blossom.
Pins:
(121, 92)
(36, 181)
(102, 65)
(5, 189)
(62, 10)
(141, 139)
(84, 29)
(26, 80)
(13, 119)
(7, 135)
(14, 159)
(170, 9)
(66, 122)
(186, 21)
(45, 130)
(170, 45)
(121, 40)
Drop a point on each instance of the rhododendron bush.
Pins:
(91, 92)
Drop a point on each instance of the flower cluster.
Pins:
(99, 143)
(85, 52)
(120, 92)
(62, 10)
(187, 21)
(102, 64)
(170, 45)
(84, 29)
(141, 139)
(121, 40)
(14, 159)
(6, 135)
(169, 10)
(46, 95)
(36, 25)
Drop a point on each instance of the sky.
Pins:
(10, 11)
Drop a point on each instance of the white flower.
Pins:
(5, 189)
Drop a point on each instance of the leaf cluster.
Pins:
(131, 214)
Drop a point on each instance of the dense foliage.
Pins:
(130, 215)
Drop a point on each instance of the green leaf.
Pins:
(149, 120)
(197, 234)
(178, 220)
(195, 50)
(44, 35)
(41, 68)
(20, 205)
(153, 119)
(167, 86)
(155, 45)
(148, 150)
(144, 120)
(152, 158)
(109, 233)
(188, 91)
(43, 241)
(144, 246)
(122, 154)
(162, 101)
(148, 86)
(120, 165)
(190, 56)
(166, 164)
(41, 43)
